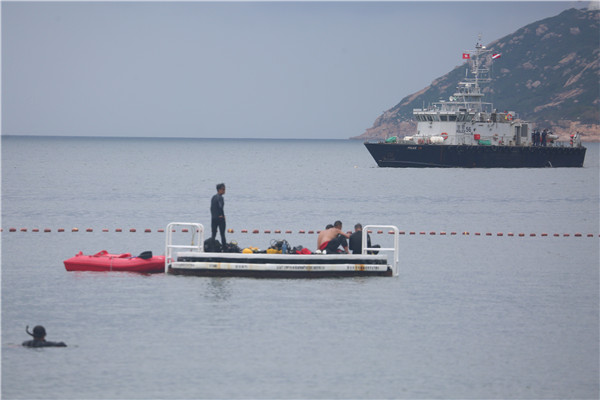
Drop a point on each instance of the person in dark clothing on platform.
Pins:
(217, 213)
(39, 338)
(355, 242)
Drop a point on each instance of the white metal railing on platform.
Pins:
(197, 242)
(395, 249)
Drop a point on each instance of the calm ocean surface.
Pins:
(468, 317)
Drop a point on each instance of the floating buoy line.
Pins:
(311, 232)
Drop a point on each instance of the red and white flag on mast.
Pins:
(495, 56)
(466, 56)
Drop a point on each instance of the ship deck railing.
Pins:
(426, 139)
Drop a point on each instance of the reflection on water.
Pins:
(218, 289)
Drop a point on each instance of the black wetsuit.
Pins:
(335, 243)
(544, 134)
(218, 216)
(356, 242)
(43, 343)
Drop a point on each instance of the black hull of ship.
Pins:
(463, 156)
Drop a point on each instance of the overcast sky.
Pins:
(233, 69)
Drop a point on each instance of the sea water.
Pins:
(473, 315)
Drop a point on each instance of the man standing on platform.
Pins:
(217, 213)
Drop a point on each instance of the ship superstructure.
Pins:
(465, 118)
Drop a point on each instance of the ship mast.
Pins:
(469, 90)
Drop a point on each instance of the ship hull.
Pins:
(396, 155)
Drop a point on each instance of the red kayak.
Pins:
(104, 261)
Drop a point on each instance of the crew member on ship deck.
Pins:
(544, 134)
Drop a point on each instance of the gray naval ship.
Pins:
(467, 132)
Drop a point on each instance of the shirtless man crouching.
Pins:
(332, 238)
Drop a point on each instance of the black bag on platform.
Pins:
(231, 248)
(212, 246)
